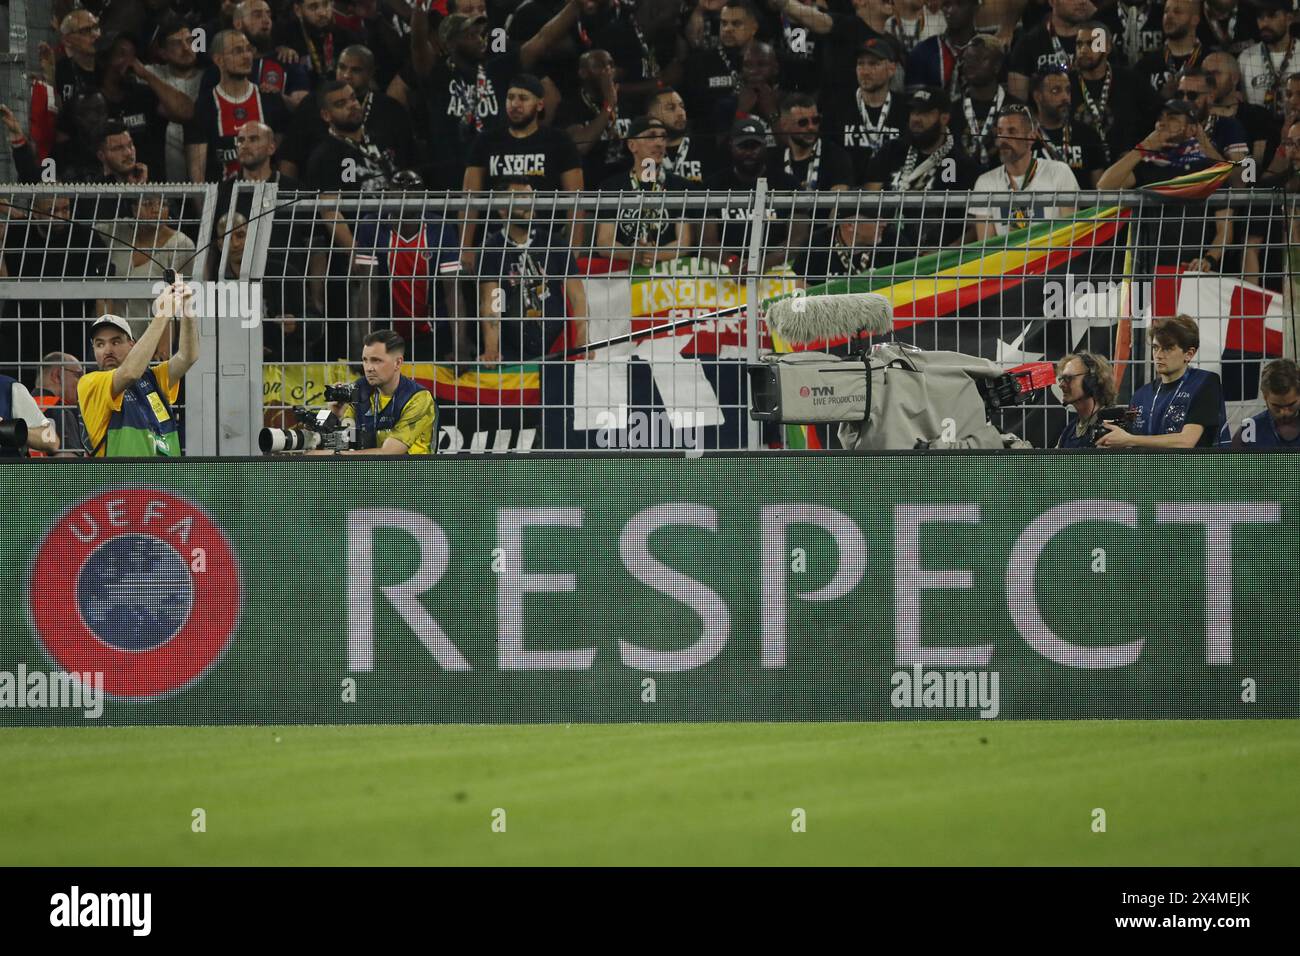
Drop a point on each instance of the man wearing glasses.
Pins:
(74, 75)
(1020, 172)
(817, 165)
(1278, 426)
(1088, 386)
(1183, 407)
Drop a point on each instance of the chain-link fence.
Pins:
(626, 320)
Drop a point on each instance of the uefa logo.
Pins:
(140, 585)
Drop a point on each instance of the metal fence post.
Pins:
(201, 397)
(753, 265)
(239, 338)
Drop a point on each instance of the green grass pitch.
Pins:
(976, 792)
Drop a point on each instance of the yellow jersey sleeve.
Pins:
(98, 403)
(415, 428)
(172, 390)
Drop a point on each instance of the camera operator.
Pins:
(393, 414)
(17, 404)
(1088, 384)
(126, 406)
(1184, 408)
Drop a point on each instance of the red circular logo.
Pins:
(139, 585)
(804, 391)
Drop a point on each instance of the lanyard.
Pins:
(672, 163)
(1030, 173)
(875, 131)
(1275, 75)
(895, 26)
(1061, 56)
(1155, 400)
(990, 119)
(810, 184)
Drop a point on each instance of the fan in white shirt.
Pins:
(1265, 66)
(1020, 172)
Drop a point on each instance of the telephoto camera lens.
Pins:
(274, 440)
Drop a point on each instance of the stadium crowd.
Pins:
(1005, 96)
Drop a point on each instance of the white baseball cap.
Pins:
(114, 320)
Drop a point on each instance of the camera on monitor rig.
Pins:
(321, 428)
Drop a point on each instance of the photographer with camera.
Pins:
(1088, 384)
(1184, 407)
(393, 414)
(126, 406)
(23, 425)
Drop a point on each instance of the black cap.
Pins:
(1180, 107)
(1273, 6)
(882, 48)
(643, 124)
(526, 81)
(929, 98)
(749, 129)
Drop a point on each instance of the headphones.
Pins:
(1091, 383)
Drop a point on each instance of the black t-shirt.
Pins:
(1083, 152)
(72, 82)
(1138, 29)
(138, 112)
(463, 103)
(383, 116)
(341, 165)
(647, 218)
(1260, 123)
(532, 277)
(607, 156)
(711, 82)
(1204, 411)
(319, 55)
(1159, 66)
(1039, 48)
(1125, 108)
(736, 217)
(1232, 35)
(862, 130)
(831, 166)
(543, 156)
(691, 159)
(887, 166)
(802, 55)
(920, 228)
(828, 258)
